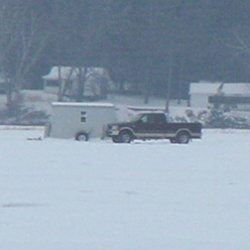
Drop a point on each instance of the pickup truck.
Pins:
(153, 125)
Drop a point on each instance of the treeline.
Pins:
(157, 45)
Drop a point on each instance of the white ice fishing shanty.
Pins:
(79, 120)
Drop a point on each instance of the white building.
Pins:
(201, 93)
(66, 79)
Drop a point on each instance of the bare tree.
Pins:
(79, 32)
(240, 45)
(32, 40)
(23, 37)
(8, 39)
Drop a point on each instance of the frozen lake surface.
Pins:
(61, 194)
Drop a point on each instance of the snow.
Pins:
(67, 72)
(125, 105)
(59, 194)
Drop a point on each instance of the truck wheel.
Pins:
(115, 139)
(172, 140)
(125, 137)
(183, 138)
(81, 136)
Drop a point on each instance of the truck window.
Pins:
(144, 118)
(160, 118)
(151, 118)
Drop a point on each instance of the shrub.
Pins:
(218, 118)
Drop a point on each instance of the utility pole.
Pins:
(171, 54)
(169, 81)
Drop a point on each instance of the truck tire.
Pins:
(125, 137)
(82, 136)
(172, 140)
(183, 137)
(115, 139)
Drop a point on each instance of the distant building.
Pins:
(67, 80)
(208, 94)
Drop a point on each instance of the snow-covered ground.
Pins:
(38, 100)
(61, 194)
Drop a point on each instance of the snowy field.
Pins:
(67, 195)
